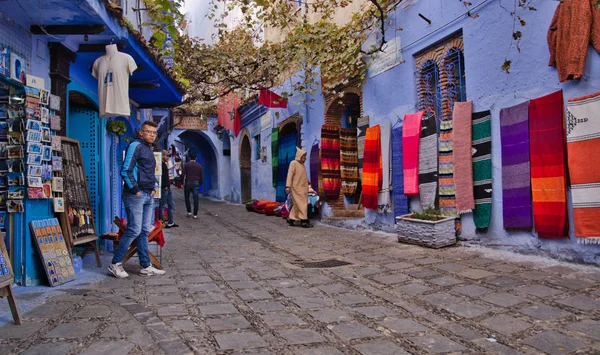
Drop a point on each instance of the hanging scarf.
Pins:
(330, 161)
(428, 162)
(361, 133)
(516, 172)
(482, 168)
(372, 178)
(384, 200)
(411, 131)
(548, 176)
(583, 143)
(462, 158)
(400, 200)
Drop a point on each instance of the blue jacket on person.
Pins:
(138, 168)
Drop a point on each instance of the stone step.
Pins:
(348, 213)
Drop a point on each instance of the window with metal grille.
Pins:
(429, 89)
(454, 68)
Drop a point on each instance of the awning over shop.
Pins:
(69, 21)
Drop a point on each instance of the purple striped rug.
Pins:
(516, 174)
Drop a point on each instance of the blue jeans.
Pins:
(191, 187)
(140, 213)
(166, 198)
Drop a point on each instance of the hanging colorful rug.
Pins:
(361, 133)
(274, 153)
(548, 175)
(583, 144)
(482, 169)
(384, 199)
(428, 161)
(516, 172)
(411, 131)
(330, 161)
(315, 164)
(400, 199)
(462, 157)
(371, 180)
(348, 160)
(447, 191)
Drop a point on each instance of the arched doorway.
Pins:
(246, 168)
(226, 168)
(288, 141)
(198, 142)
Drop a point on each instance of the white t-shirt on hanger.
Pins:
(112, 71)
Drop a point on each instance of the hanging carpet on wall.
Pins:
(447, 191)
(384, 199)
(411, 131)
(516, 172)
(548, 176)
(583, 144)
(462, 157)
(482, 168)
(330, 161)
(315, 164)
(400, 199)
(361, 132)
(371, 180)
(348, 160)
(428, 161)
(274, 153)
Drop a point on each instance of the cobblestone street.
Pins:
(235, 284)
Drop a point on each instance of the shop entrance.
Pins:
(288, 140)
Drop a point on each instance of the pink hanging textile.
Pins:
(411, 132)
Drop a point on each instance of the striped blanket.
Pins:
(400, 200)
(330, 161)
(583, 144)
(447, 191)
(462, 157)
(411, 131)
(371, 180)
(315, 164)
(428, 161)
(548, 175)
(384, 200)
(516, 176)
(348, 161)
(482, 168)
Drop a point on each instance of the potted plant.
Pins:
(429, 228)
(116, 127)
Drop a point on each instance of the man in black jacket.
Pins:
(138, 198)
(166, 197)
(192, 177)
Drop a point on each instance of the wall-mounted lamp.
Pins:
(219, 134)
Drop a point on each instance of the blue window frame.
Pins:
(430, 99)
(454, 67)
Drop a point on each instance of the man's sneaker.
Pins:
(189, 214)
(151, 271)
(172, 225)
(117, 270)
(195, 217)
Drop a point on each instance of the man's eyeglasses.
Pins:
(150, 132)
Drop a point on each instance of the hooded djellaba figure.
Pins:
(297, 183)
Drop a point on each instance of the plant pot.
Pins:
(431, 234)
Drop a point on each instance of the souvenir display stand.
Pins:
(77, 220)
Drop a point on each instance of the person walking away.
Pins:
(166, 197)
(192, 178)
(138, 199)
(297, 184)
